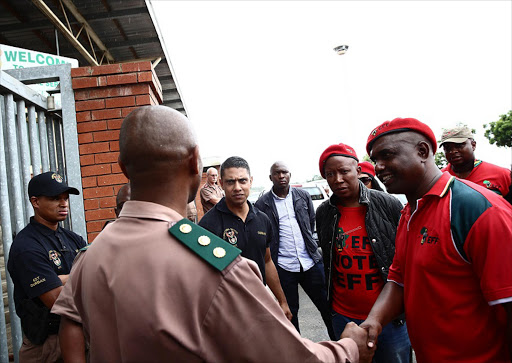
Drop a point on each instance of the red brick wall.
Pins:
(104, 95)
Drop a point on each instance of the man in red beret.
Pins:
(459, 149)
(451, 272)
(356, 229)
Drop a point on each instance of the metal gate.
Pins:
(34, 138)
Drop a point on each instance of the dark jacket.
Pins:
(381, 218)
(305, 215)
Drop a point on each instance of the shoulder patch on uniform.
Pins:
(83, 249)
(211, 248)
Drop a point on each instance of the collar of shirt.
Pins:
(276, 197)
(223, 207)
(213, 186)
(149, 210)
(44, 230)
(439, 189)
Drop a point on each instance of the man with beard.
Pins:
(451, 272)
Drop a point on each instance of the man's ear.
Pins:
(270, 177)
(123, 168)
(35, 202)
(424, 150)
(473, 144)
(358, 169)
(195, 163)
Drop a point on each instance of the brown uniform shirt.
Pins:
(143, 296)
(206, 193)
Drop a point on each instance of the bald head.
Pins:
(152, 136)
(277, 165)
(158, 149)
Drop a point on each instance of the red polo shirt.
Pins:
(453, 258)
(490, 176)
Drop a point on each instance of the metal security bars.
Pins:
(33, 140)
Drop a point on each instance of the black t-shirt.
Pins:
(252, 237)
(36, 258)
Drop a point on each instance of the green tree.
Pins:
(440, 159)
(500, 132)
(367, 158)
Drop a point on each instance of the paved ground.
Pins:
(310, 321)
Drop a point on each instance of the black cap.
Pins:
(49, 184)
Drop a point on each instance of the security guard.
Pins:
(39, 263)
(154, 287)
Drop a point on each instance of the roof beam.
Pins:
(38, 24)
(72, 8)
(131, 42)
(65, 31)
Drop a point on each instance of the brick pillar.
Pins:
(104, 95)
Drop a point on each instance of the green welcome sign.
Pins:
(15, 58)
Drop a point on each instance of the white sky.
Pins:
(261, 80)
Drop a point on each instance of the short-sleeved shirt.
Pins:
(453, 258)
(207, 192)
(143, 296)
(252, 236)
(490, 176)
(36, 258)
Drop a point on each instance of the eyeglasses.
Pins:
(365, 180)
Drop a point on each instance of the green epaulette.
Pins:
(83, 249)
(205, 244)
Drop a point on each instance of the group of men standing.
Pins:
(443, 259)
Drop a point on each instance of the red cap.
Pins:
(336, 150)
(367, 168)
(399, 125)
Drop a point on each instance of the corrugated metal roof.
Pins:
(125, 27)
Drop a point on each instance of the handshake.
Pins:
(365, 336)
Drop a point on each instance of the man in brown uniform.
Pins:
(154, 287)
(211, 193)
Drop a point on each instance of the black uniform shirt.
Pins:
(252, 237)
(36, 258)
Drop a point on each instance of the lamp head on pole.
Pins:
(341, 49)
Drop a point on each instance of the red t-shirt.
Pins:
(357, 281)
(490, 176)
(453, 258)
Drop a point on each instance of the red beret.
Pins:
(399, 125)
(336, 150)
(367, 168)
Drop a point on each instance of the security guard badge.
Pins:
(54, 256)
(230, 236)
(57, 177)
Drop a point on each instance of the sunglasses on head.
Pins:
(365, 180)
